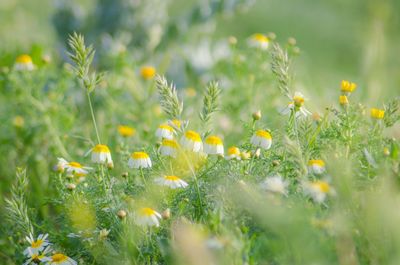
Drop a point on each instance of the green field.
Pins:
(199, 132)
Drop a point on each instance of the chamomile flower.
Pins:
(275, 184)
(262, 138)
(378, 114)
(169, 147)
(233, 153)
(347, 87)
(37, 245)
(297, 104)
(191, 140)
(126, 131)
(37, 258)
(165, 131)
(172, 182)
(213, 145)
(147, 72)
(73, 168)
(148, 217)
(101, 155)
(316, 166)
(259, 40)
(318, 190)
(139, 160)
(24, 63)
(60, 259)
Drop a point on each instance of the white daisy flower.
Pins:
(275, 184)
(139, 160)
(233, 153)
(101, 155)
(213, 146)
(318, 190)
(316, 166)
(164, 131)
(177, 124)
(191, 140)
(168, 147)
(262, 139)
(259, 40)
(60, 259)
(36, 245)
(24, 63)
(36, 258)
(297, 106)
(73, 168)
(171, 181)
(148, 217)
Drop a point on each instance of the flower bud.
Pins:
(71, 186)
(257, 115)
(166, 214)
(121, 214)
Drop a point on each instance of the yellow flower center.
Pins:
(233, 151)
(192, 135)
(37, 243)
(146, 211)
(101, 148)
(58, 258)
(75, 164)
(322, 186)
(377, 113)
(147, 72)
(260, 37)
(263, 134)
(213, 140)
(170, 143)
(316, 162)
(166, 127)
(126, 131)
(171, 178)
(139, 155)
(298, 101)
(24, 59)
(348, 86)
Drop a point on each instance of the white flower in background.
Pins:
(318, 190)
(60, 259)
(213, 145)
(262, 139)
(24, 63)
(148, 217)
(101, 155)
(172, 182)
(297, 104)
(164, 131)
(275, 184)
(259, 40)
(169, 147)
(37, 245)
(139, 160)
(191, 140)
(233, 153)
(316, 166)
(73, 168)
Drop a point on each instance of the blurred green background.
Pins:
(339, 39)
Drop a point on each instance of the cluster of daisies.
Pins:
(40, 251)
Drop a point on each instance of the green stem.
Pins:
(142, 175)
(93, 118)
